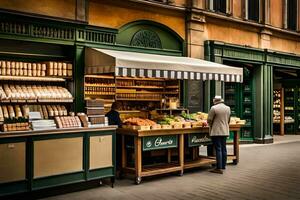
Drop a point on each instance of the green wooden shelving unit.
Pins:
(240, 99)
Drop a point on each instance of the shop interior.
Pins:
(286, 101)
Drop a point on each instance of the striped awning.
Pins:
(122, 63)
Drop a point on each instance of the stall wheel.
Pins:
(138, 180)
(235, 162)
(180, 173)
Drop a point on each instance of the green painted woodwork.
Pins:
(146, 38)
(159, 142)
(100, 173)
(13, 188)
(28, 28)
(79, 79)
(264, 61)
(240, 98)
(168, 38)
(198, 139)
(56, 180)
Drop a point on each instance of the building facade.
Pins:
(261, 36)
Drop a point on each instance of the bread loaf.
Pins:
(18, 111)
(65, 111)
(5, 112)
(1, 115)
(50, 111)
(45, 111)
(41, 111)
(11, 111)
(58, 122)
(25, 111)
(55, 110)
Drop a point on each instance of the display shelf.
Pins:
(101, 94)
(172, 87)
(35, 79)
(140, 79)
(122, 99)
(102, 86)
(35, 102)
(141, 87)
(100, 76)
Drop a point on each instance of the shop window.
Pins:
(221, 6)
(291, 14)
(252, 9)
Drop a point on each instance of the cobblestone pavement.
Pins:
(264, 172)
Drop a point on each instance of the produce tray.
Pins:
(137, 127)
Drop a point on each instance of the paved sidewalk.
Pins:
(264, 172)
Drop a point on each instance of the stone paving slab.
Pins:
(264, 172)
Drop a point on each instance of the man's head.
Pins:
(217, 99)
(115, 106)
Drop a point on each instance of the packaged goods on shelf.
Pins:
(61, 69)
(67, 121)
(43, 125)
(15, 124)
(94, 103)
(84, 119)
(13, 68)
(288, 119)
(36, 92)
(95, 111)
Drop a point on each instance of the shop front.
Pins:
(267, 99)
(44, 140)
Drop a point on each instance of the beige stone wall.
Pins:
(54, 8)
(105, 14)
(237, 9)
(181, 3)
(276, 13)
(232, 33)
(285, 45)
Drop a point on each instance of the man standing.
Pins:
(218, 120)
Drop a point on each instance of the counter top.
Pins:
(54, 131)
(172, 131)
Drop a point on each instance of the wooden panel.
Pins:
(100, 151)
(57, 156)
(12, 162)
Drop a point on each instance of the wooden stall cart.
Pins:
(148, 140)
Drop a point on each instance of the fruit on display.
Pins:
(139, 122)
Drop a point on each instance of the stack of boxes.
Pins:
(95, 112)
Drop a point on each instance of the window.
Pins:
(221, 6)
(252, 9)
(291, 7)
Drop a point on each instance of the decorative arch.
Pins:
(149, 35)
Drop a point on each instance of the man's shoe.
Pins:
(218, 171)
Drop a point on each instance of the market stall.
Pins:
(147, 140)
(148, 88)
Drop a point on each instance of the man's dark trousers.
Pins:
(219, 143)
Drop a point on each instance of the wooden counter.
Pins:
(33, 160)
(180, 139)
